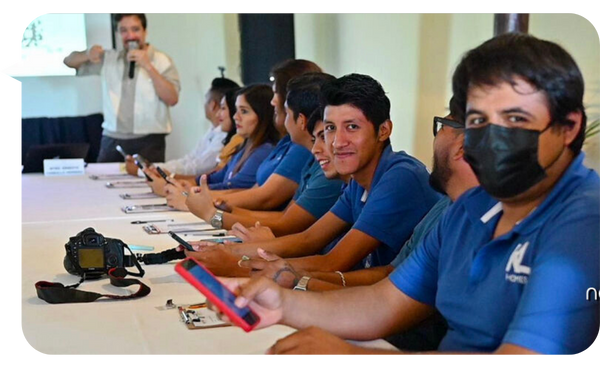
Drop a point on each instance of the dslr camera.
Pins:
(91, 255)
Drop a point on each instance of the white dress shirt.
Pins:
(204, 156)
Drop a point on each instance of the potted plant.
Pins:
(592, 129)
(592, 145)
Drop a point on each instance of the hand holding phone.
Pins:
(217, 293)
(183, 243)
(138, 161)
(166, 177)
(163, 174)
(141, 161)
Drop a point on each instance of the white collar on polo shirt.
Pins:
(491, 213)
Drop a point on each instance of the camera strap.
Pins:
(132, 261)
(160, 258)
(57, 293)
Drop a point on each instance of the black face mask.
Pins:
(505, 160)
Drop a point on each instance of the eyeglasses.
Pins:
(439, 122)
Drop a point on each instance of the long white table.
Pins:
(57, 208)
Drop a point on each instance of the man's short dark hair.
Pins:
(288, 69)
(141, 17)
(220, 86)
(314, 118)
(304, 93)
(360, 91)
(543, 64)
(457, 110)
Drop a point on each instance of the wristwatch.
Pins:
(217, 220)
(302, 284)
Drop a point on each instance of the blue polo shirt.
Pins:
(317, 194)
(246, 176)
(287, 160)
(527, 287)
(334, 242)
(399, 198)
(423, 228)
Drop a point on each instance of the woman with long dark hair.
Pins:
(254, 122)
(278, 177)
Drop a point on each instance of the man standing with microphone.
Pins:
(139, 84)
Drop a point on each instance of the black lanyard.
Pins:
(57, 293)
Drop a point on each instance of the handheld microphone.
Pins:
(132, 45)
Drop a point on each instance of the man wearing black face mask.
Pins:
(509, 269)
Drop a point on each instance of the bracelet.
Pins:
(343, 278)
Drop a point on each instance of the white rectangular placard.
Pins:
(64, 167)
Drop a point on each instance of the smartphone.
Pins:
(222, 240)
(121, 151)
(217, 293)
(138, 161)
(185, 244)
(163, 174)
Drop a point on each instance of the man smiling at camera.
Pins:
(387, 197)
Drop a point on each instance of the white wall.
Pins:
(196, 43)
(367, 44)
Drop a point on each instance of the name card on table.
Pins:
(64, 167)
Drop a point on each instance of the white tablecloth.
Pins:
(57, 208)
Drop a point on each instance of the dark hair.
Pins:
(288, 69)
(457, 108)
(304, 93)
(219, 86)
(314, 118)
(141, 17)
(230, 96)
(259, 98)
(360, 91)
(543, 64)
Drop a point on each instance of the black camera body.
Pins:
(91, 255)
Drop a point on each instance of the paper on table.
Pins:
(138, 195)
(200, 317)
(110, 176)
(147, 208)
(178, 227)
(127, 184)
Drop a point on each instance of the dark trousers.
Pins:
(151, 147)
(426, 336)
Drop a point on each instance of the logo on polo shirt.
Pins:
(520, 273)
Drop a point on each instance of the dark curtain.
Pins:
(82, 129)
